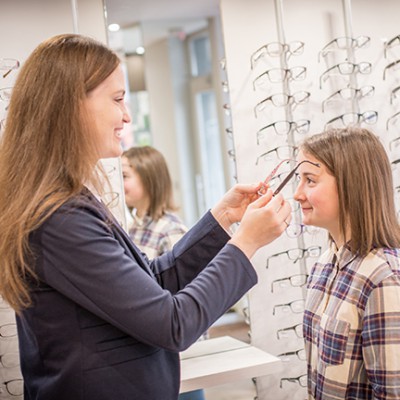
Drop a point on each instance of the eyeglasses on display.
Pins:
(295, 230)
(283, 153)
(392, 120)
(345, 68)
(5, 94)
(286, 332)
(294, 280)
(353, 118)
(111, 199)
(296, 307)
(344, 43)
(283, 127)
(394, 94)
(349, 93)
(286, 357)
(8, 330)
(301, 380)
(282, 100)
(296, 254)
(9, 360)
(395, 41)
(8, 64)
(394, 66)
(14, 387)
(277, 75)
(276, 49)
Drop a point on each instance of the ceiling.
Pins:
(130, 12)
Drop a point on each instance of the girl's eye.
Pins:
(309, 180)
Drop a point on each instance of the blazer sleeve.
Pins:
(81, 258)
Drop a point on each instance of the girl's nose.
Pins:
(298, 194)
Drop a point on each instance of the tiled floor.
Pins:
(231, 325)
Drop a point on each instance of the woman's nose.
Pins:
(126, 116)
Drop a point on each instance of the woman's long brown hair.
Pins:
(48, 149)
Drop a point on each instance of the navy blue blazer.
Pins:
(107, 324)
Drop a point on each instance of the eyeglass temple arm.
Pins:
(290, 175)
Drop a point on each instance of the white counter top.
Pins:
(222, 360)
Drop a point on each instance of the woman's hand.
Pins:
(263, 221)
(234, 203)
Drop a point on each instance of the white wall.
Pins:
(166, 82)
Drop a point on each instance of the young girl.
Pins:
(352, 315)
(148, 195)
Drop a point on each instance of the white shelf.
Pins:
(222, 360)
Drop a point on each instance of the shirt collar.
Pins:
(342, 255)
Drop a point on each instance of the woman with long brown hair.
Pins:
(96, 320)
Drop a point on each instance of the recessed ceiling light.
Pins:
(113, 27)
(140, 50)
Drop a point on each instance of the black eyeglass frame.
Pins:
(291, 173)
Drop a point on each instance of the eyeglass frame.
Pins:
(356, 95)
(8, 67)
(288, 75)
(15, 354)
(290, 100)
(4, 90)
(5, 384)
(275, 149)
(293, 126)
(291, 173)
(293, 353)
(290, 304)
(14, 334)
(387, 45)
(393, 94)
(288, 177)
(289, 279)
(360, 118)
(292, 380)
(391, 65)
(325, 50)
(291, 328)
(337, 66)
(390, 118)
(285, 49)
(304, 251)
(303, 228)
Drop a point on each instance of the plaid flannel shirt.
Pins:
(156, 237)
(352, 326)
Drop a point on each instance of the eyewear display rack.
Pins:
(291, 69)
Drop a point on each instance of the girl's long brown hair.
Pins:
(152, 168)
(48, 149)
(360, 165)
